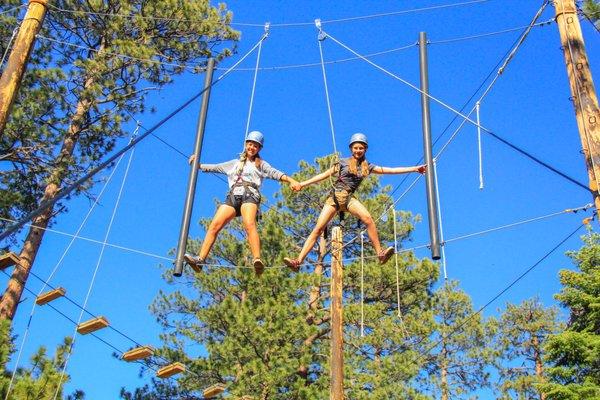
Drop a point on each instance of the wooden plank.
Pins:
(213, 390)
(8, 259)
(92, 325)
(138, 353)
(170, 370)
(47, 297)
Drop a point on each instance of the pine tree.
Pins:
(42, 380)
(457, 362)
(591, 10)
(89, 93)
(523, 330)
(575, 353)
(268, 337)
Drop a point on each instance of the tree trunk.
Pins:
(313, 301)
(444, 373)
(539, 367)
(16, 284)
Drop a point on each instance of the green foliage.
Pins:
(457, 363)
(79, 92)
(523, 330)
(43, 380)
(268, 337)
(591, 10)
(575, 353)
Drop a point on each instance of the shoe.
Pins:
(292, 263)
(193, 261)
(384, 255)
(259, 266)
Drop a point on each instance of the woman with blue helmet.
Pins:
(244, 176)
(350, 173)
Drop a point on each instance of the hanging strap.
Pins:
(362, 285)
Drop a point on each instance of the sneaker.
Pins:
(193, 261)
(292, 263)
(259, 266)
(384, 255)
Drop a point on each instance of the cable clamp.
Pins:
(267, 27)
(322, 35)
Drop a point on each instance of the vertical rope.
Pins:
(8, 46)
(322, 37)
(362, 285)
(437, 191)
(265, 35)
(479, 147)
(398, 274)
(108, 230)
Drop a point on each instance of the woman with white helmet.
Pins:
(244, 175)
(350, 173)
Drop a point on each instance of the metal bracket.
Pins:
(322, 35)
(267, 27)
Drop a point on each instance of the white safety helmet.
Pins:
(257, 137)
(360, 138)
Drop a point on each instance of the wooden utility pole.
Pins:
(337, 333)
(582, 89)
(17, 61)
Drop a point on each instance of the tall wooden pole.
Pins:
(17, 61)
(582, 89)
(337, 333)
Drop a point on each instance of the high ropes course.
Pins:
(130, 349)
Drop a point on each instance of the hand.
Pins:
(192, 159)
(421, 168)
(296, 186)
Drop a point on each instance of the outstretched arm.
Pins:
(294, 184)
(400, 170)
(318, 177)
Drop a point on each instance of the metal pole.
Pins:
(587, 111)
(189, 199)
(430, 177)
(337, 333)
(17, 61)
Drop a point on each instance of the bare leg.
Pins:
(360, 212)
(222, 217)
(327, 214)
(249, 211)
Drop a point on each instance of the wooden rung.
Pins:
(138, 353)
(170, 370)
(213, 390)
(8, 259)
(49, 296)
(92, 325)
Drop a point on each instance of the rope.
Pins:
(265, 35)
(439, 212)
(321, 37)
(8, 46)
(279, 25)
(405, 82)
(100, 256)
(45, 282)
(479, 149)
(108, 162)
(362, 285)
(400, 318)
(12, 9)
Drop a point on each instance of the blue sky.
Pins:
(529, 106)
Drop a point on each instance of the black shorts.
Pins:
(250, 195)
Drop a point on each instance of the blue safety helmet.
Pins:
(257, 137)
(358, 137)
